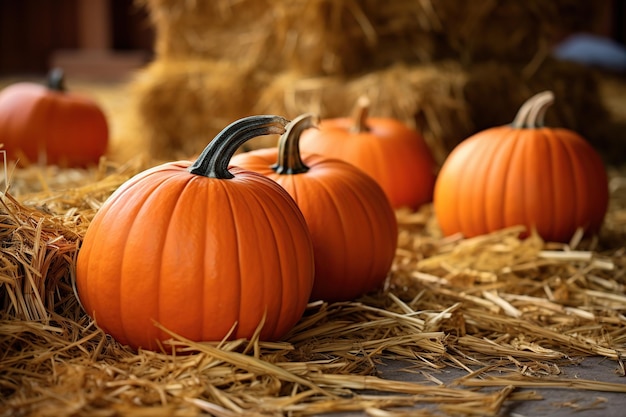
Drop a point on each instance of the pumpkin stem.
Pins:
(289, 159)
(214, 159)
(56, 79)
(360, 114)
(532, 113)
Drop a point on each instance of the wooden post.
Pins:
(95, 59)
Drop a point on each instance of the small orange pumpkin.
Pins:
(199, 249)
(352, 223)
(49, 125)
(396, 156)
(548, 179)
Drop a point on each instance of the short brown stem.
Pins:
(532, 113)
(360, 115)
(289, 158)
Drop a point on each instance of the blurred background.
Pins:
(172, 73)
(36, 35)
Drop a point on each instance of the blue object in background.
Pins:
(592, 50)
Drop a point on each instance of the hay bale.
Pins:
(314, 37)
(426, 97)
(183, 105)
(335, 37)
(179, 106)
(510, 31)
(446, 101)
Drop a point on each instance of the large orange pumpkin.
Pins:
(548, 179)
(49, 125)
(352, 224)
(199, 249)
(396, 156)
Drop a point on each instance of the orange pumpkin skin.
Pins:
(198, 255)
(52, 126)
(547, 179)
(396, 156)
(352, 224)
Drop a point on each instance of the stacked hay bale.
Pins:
(449, 68)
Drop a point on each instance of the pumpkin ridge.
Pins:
(490, 153)
(286, 279)
(146, 205)
(284, 250)
(231, 210)
(510, 180)
(554, 213)
(533, 196)
(203, 267)
(385, 176)
(446, 189)
(324, 186)
(578, 166)
(291, 281)
(272, 213)
(136, 206)
(372, 215)
(467, 189)
(459, 187)
(182, 204)
(101, 217)
(503, 154)
(370, 221)
(271, 323)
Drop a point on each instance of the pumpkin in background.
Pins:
(396, 156)
(49, 125)
(548, 179)
(351, 221)
(199, 249)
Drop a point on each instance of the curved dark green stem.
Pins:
(360, 115)
(214, 159)
(56, 79)
(289, 158)
(532, 113)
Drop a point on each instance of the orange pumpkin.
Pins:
(548, 179)
(396, 156)
(49, 125)
(199, 249)
(352, 224)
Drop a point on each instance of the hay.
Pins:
(447, 68)
(345, 37)
(315, 37)
(447, 102)
(509, 312)
(427, 97)
(181, 105)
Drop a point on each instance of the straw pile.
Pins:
(509, 312)
(336, 37)
(179, 105)
(423, 62)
